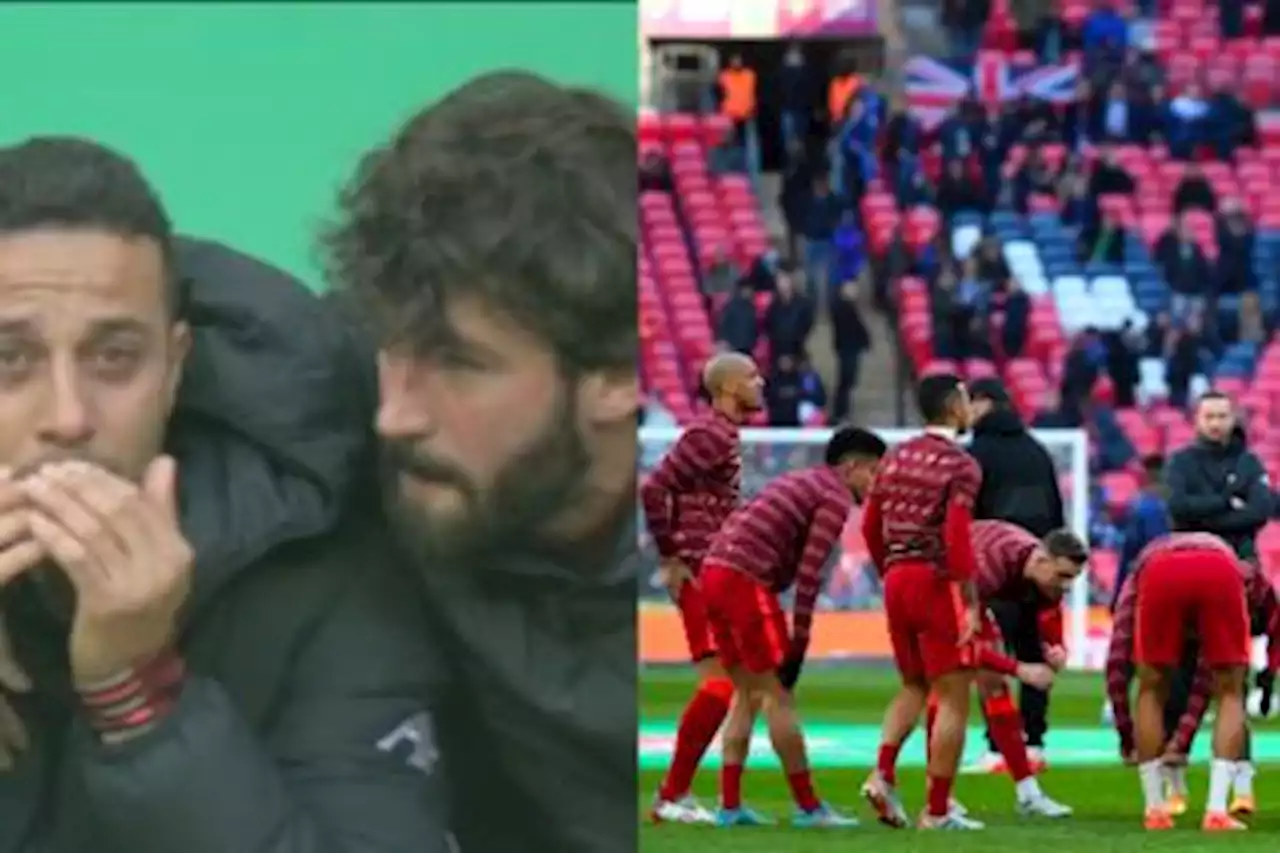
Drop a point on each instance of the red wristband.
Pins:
(136, 698)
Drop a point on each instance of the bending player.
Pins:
(781, 538)
(917, 527)
(1179, 583)
(1014, 566)
(686, 499)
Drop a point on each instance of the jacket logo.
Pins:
(414, 742)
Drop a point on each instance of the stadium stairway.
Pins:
(876, 395)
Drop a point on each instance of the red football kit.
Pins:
(1001, 551)
(917, 527)
(686, 499)
(1186, 581)
(779, 539)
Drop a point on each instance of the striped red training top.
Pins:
(1001, 551)
(784, 535)
(1262, 600)
(920, 507)
(694, 488)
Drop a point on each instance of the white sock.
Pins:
(1150, 772)
(1176, 777)
(1244, 779)
(1221, 772)
(1028, 789)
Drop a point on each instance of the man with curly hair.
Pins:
(491, 245)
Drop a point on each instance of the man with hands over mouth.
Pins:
(205, 648)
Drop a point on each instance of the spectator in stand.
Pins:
(722, 274)
(950, 325)
(1086, 360)
(1109, 176)
(913, 188)
(821, 216)
(1231, 19)
(1017, 319)
(1185, 269)
(1252, 325)
(1142, 69)
(1271, 17)
(849, 250)
(903, 135)
(1077, 117)
(964, 21)
(763, 273)
(1123, 348)
(956, 133)
(798, 177)
(1185, 129)
(974, 302)
(1104, 34)
(1034, 177)
(739, 325)
(784, 393)
(1231, 123)
(813, 393)
(1106, 244)
(854, 161)
(796, 93)
(1147, 115)
(844, 85)
(851, 339)
(996, 136)
(1146, 518)
(655, 174)
(1080, 208)
(1184, 352)
(1156, 338)
(1114, 117)
(788, 319)
(738, 102)
(1235, 273)
(1194, 192)
(957, 192)
(991, 265)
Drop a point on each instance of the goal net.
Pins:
(850, 621)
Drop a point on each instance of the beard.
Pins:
(532, 487)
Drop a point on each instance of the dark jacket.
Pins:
(539, 726)
(1202, 479)
(1019, 481)
(1147, 521)
(309, 669)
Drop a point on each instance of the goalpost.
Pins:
(768, 452)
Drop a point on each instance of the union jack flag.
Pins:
(935, 86)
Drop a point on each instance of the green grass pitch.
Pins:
(1104, 794)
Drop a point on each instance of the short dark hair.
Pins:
(67, 182)
(848, 442)
(1153, 463)
(934, 395)
(991, 389)
(1211, 395)
(512, 189)
(1065, 544)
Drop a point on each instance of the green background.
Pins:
(247, 117)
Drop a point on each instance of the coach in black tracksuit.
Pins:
(1019, 485)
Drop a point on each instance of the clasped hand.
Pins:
(121, 548)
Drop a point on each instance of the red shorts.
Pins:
(924, 612)
(747, 622)
(1191, 591)
(697, 627)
